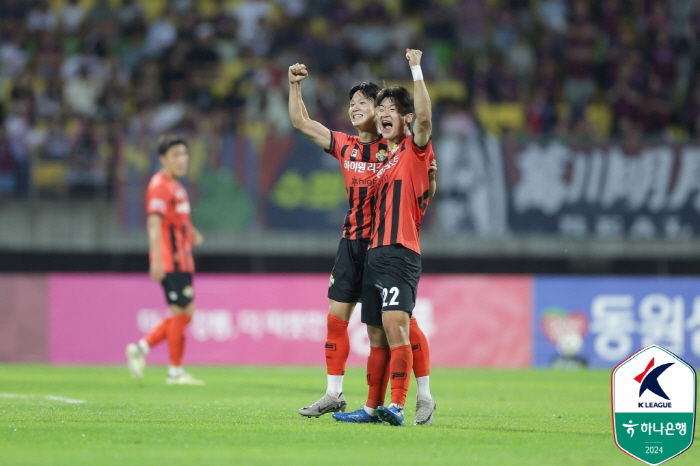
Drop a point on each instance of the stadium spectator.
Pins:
(71, 15)
(7, 174)
(41, 18)
(188, 56)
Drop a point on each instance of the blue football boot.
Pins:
(393, 415)
(360, 416)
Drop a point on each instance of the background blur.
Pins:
(566, 133)
(564, 130)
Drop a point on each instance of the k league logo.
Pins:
(653, 404)
(651, 382)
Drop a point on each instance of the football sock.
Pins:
(377, 370)
(335, 385)
(423, 384)
(337, 350)
(176, 338)
(401, 367)
(386, 377)
(421, 360)
(421, 350)
(175, 371)
(158, 334)
(144, 346)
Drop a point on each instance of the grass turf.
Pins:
(248, 415)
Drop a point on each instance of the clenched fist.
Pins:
(297, 73)
(413, 56)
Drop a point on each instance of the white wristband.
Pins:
(417, 73)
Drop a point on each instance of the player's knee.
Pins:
(396, 327)
(377, 337)
(340, 310)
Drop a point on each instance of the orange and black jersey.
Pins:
(168, 198)
(402, 195)
(360, 162)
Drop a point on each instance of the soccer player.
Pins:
(360, 159)
(171, 237)
(393, 264)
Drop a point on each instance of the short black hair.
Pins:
(401, 96)
(368, 89)
(166, 141)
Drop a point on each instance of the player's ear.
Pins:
(409, 118)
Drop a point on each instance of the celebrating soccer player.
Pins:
(360, 159)
(393, 264)
(171, 237)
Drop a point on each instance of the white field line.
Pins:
(46, 397)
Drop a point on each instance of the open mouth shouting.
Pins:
(387, 125)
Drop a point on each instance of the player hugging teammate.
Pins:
(378, 259)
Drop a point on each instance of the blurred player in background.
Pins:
(360, 159)
(171, 237)
(393, 265)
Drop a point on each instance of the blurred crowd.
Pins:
(80, 77)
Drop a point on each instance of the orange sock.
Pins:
(337, 345)
(386, 377)
(377, 370)
(159, 333)
(401, 366)
(421, 350)
(176, 338)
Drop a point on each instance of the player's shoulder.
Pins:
(340, 142)
(159, 182)
(344, 138)
(411, 143)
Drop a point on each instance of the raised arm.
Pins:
(318, 133)
(422, 123)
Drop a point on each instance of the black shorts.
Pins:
(390, 282)
(345, 285)
(178, 288)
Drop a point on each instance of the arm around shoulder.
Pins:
(432, 171)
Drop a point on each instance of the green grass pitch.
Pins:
(248, 415)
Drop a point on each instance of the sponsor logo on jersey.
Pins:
(363, 182)
(156, 205)
(183, 208)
